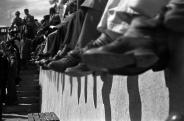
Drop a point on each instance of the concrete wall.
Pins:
(95, 98)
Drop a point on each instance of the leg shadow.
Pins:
(86, 89)
(63, 82)
(71, 85)
(95, 91)
(106, 90)
(79, 88)
(134, 98)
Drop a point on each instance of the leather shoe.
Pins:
(102, 40)
(142, 46)
(79, 70)
(61, 53)
(121, 53)
(62, 64)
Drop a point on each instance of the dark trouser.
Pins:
(89, 29)
(175, 74)
(0, 107)
(25, 50)
(74, 29)
(36, 42)
(11, 86)
(1, 102)
(51, 43)
(3, 77)
(66, 35)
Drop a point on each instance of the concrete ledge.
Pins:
(104, 98)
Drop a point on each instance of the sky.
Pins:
(37, 8)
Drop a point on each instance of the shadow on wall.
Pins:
(134, 98)
(132, 87)
(106, 90)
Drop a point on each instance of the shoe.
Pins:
(62, 64)
(40, 62)
(102, 40)
(42, 56)
(175, 117)
(79, 70)
(138, 47)
(123, 52)
(61, 53)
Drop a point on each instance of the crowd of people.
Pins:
(12, 55)
(80, 37)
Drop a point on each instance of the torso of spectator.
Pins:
(71, 7)
(29, 26)
(45, 21)
(17, 21)
(29, 20)
(95, 4)
(54, 20)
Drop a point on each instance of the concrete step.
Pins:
(32, 99)
(27, 85)
(28, 93)
(14, 117)
(33, 82)
(28, 88)
(28, 79)
(22, 108)
(28, 72)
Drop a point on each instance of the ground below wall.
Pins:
(106, 98)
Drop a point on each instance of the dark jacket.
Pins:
(95, 4)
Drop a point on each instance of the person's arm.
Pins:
(57, 22)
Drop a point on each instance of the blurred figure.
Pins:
(29, 25)
(29, 32)
(17, 22)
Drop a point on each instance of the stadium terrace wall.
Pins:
(105, 98)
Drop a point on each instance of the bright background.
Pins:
(38, 8)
